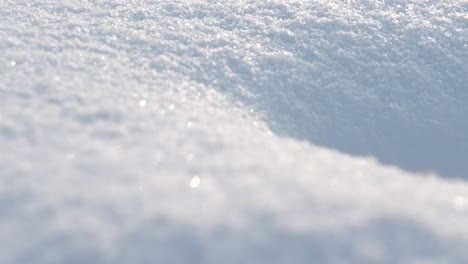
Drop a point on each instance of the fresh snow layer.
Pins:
(143, 131)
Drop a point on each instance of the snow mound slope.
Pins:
(187, 131)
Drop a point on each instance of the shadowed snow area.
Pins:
(233, 132)
(387, 80)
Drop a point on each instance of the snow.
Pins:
(233, 132)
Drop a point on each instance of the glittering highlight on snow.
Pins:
(460, 202)
(195, 182)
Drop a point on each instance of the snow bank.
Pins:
(110, 109)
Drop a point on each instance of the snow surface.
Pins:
(143, 131)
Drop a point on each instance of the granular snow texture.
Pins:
(143, 131)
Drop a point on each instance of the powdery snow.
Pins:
(233, 132)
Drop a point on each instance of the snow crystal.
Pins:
(195, 182)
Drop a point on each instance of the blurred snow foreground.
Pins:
(233, 131)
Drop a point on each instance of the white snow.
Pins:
(262, 131)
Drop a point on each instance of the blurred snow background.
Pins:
(233, 132)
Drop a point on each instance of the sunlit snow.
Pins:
(138, 131)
